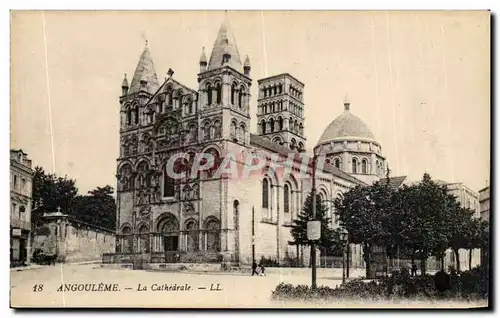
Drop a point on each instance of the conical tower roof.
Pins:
(247, 62)
(145, 70)
(203, 57)
(125, 81)
(225, 43)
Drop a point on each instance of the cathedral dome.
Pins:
(345, 126)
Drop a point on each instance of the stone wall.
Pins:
(73, 241)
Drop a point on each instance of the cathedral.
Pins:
(211, 218)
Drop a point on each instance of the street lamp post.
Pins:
(313, 245)
(344, 241)
(348, 256)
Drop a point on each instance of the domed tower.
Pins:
(349, 144)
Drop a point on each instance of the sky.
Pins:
(420, 80)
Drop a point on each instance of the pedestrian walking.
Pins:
(414, 270)
(254, 269)
(262, 269)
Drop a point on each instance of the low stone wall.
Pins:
(118, 266)
(118, 258)
(73, 241)
(187, 267)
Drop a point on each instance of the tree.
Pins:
(463, 230)
(365, 213)
(476, 236)
(52, 192)
(299, 227)
(425, 224)
(97, 208)
(484, 242)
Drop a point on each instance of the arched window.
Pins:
(136, 115)
(126, 180)
(193, 132)
(151, 116)
(217, 129)
(354, 165)
(206, 131)
(129, 115)
(271, 125)
(233, 93)
(168, 185)
(189, 106)
(265, 193)
(241, 94)
(177, 100)
(364, 166)
(280, 123)
(337, 162)
(192, 236)
(233, 129)
(219, 93)
(301, 146)
(262, 127)
(143, 178)
(286, 198)
(242, 132)
(170, 96)
(293, 144)
(213, 236)
(208, 89)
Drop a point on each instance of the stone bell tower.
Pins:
(280, 114)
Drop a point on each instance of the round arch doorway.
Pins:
(168, 227)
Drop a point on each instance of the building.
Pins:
(209, 218)
(469, 199)
(21, 179)
(484, 204)
(72, 240)
(484, 208)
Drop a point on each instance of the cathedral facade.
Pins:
(208, 217)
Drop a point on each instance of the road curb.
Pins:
(32, 267)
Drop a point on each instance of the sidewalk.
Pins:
(36, 266)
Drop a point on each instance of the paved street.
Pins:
(228, 289)
(236, 289)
